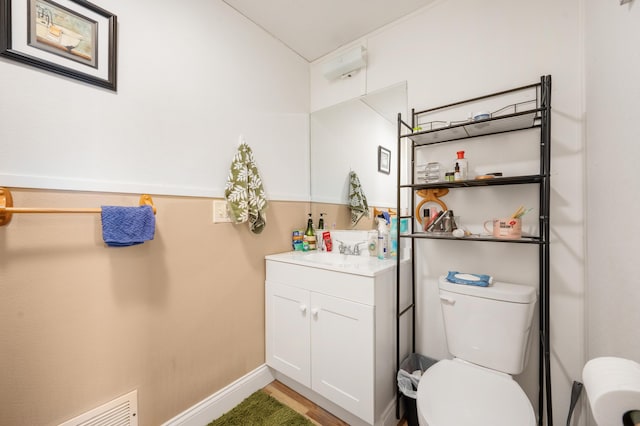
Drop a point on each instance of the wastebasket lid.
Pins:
(458, 393)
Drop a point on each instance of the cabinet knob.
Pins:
(449, 300)
(314, 312)
(303, 308)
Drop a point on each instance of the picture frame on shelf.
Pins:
(384, 160)
(72, 38)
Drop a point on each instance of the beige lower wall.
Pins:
(177, 318)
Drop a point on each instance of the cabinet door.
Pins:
(287, 331)
(342, 353)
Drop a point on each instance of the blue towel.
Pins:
(127, 226)
(387, 217)
(479, 280)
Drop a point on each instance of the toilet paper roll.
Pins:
(613, 388)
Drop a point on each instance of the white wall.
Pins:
(191, 78)
(458, 49)
(613, 147)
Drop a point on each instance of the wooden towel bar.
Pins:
(7, 209)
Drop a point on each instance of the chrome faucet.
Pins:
(349, 250)
(356, 247)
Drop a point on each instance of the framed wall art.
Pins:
(384, 160)
(73, 38)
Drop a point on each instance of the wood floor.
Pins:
(302, 405)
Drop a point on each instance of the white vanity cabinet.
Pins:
(333, 332)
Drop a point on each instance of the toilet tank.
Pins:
(488, 326)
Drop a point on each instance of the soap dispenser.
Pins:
(310, 235)
(383, 238)
(321, 222)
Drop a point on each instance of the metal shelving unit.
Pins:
(536, 114)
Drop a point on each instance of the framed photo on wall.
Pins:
(73, 38)
(384, 160)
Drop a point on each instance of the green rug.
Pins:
(261, 409)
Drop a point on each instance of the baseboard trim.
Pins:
(224, 400)
(389, 414)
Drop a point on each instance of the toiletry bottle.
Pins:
(456, 172)
(463, 165)
(373, 243)
(319, 239)
(309, 234)
(321, 222)
(297, 239)
(393, 238)
(386, 240)
(327, 243)
(426, 219)
(383, 239)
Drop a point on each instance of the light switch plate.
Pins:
(220, 213)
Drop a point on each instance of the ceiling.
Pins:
(313, 28)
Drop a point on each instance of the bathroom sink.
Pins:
(361, 265)
(337, 258)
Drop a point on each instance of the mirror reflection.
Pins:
(346, 137)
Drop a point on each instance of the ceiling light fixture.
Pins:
(345, 65)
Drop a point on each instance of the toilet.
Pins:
(488, 331)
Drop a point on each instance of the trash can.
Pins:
(409, 374)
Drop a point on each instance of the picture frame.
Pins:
(384, 160)
(72, 38)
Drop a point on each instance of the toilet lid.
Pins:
(458, 393)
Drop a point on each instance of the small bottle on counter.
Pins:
(320, 243)
(297, 239)
(321, 222)
(309, 235)
(383, 239)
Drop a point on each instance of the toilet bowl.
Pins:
(488, 331)
(454, 392)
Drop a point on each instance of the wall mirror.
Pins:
(346, 137)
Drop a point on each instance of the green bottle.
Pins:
(309, 234)
(321, 222)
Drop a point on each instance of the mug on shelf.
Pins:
(508, 228)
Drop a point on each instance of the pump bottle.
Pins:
(309, 234)
(463, 166)
(383, 239)
(321, 222)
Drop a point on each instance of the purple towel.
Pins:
(127, 226)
